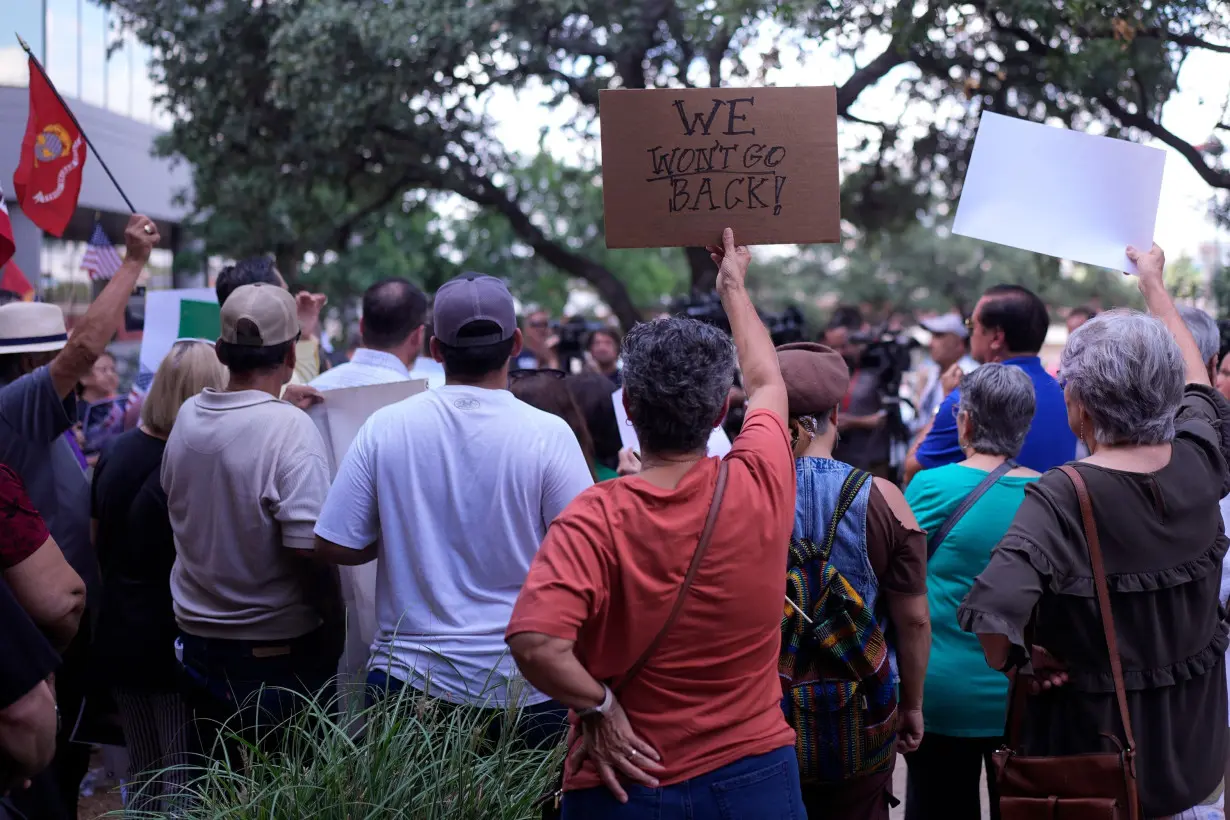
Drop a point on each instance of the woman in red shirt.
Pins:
(697, 731)
(31, 563)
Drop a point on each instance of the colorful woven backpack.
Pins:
(837, 685)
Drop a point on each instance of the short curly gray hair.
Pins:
(1127, 371)
(1000, 402)
(677, 374)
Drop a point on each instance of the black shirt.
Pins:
(136, 634)
(26, 657)
(1163, 543)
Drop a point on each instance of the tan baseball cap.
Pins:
(259, 316)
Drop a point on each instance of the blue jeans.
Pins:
(540, 726)
(222, 679)
(763, 787)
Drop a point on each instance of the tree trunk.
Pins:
(704, 272)
(288, 259)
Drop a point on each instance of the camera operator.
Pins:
(603, 347)
(864, 440)
(541, 343)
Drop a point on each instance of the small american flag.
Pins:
(140, 385)
(100, 258)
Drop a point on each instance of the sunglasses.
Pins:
(514, 375)
(540, 324)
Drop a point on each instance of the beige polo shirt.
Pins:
(245, 476)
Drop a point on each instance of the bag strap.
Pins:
(705, 536)
(967, 503)
(1099, 582)
(850, 489)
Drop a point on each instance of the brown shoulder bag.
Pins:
(549, 803)
(1100, 786)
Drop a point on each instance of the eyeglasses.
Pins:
(514, 375)
(539, 324)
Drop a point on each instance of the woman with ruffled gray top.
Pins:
(1138, 395)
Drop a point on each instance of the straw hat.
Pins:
(31, 327)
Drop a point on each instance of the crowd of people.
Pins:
(758, 635)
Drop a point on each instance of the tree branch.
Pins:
(1214, 176)
(482, 192)
(869, 75)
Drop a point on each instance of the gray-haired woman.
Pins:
(1155, 474)
(698, 730)
(964, 701)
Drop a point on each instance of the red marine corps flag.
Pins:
(48, 179)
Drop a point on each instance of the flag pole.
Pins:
(73, 117)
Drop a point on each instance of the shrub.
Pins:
(414, 758)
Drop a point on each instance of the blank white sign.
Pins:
(1059, 192)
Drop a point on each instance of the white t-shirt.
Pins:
(459, 484)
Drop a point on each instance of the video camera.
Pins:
(573, 333)
(784, 327)
(888, 355)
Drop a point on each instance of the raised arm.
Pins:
(94, 331)
(762, 376)
(1149, 268)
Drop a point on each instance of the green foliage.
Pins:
(429, 239)
(307, 120)
(1184, 279)
(927, 269)
(416, 758)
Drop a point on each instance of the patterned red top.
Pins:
(22, 530)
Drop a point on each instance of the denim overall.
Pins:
(819, 485)
(864, 746)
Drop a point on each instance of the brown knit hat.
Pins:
(816, 377)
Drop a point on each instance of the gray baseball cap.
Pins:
(469, 298)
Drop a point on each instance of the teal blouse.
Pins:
(963, 697)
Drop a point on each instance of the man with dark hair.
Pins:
(453, 490)
(1009, 325)
(245, 475)
(391, 328)
(540, 345)
(603, 347)
(261, 270)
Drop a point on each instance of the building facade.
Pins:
(104, 75)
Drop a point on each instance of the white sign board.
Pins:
(719, 442)
(1060, 192)
(339, 418)
(164, 325)
(344, 411)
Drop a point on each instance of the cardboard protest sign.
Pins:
(1060, 192)
(679, 165)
